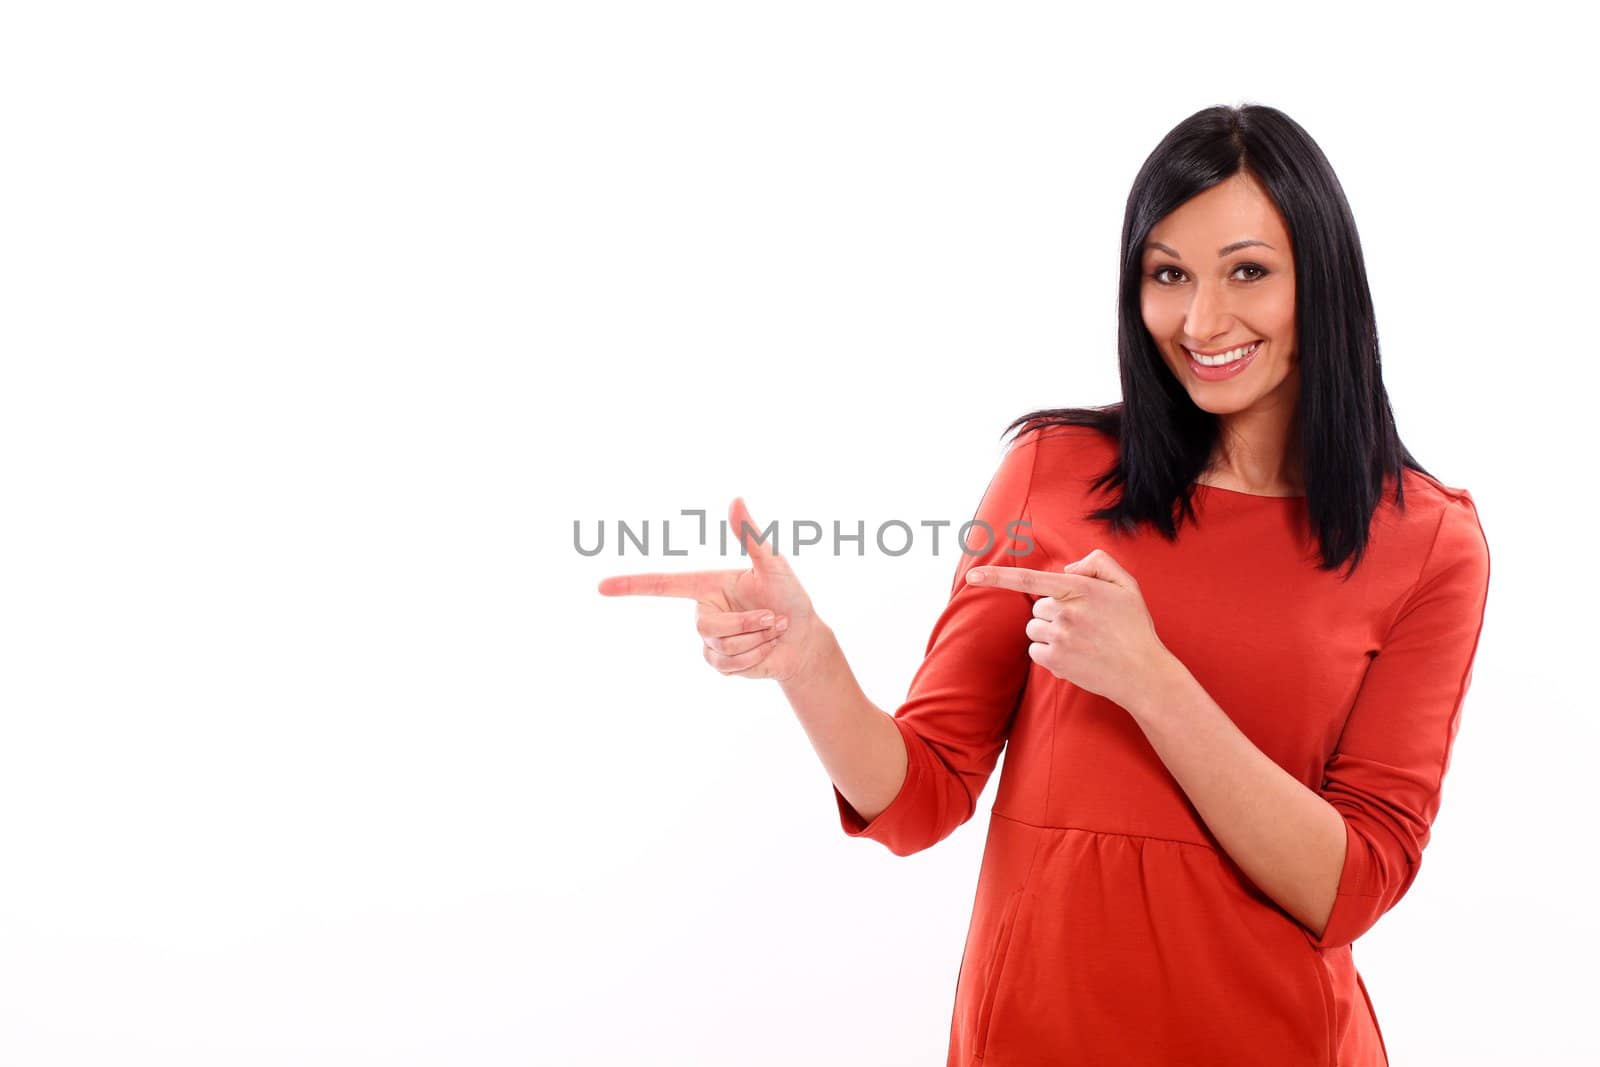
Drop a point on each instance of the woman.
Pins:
(1225, 647)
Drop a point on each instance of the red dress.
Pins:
(1109, 926)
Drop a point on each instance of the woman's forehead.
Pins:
(1221, 220)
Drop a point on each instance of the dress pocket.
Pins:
(1261, 966)
(1313, 957)
(996, 970)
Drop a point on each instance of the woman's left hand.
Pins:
(1090, 626)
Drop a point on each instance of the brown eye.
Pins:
(1159, 271)
(1260, 273)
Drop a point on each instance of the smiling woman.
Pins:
(1223, 758)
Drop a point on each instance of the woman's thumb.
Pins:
(750, 536)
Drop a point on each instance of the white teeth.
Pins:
(1230, 356)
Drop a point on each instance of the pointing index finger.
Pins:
(693, 584)
(1023, 579)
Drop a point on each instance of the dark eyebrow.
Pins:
(1224, 250)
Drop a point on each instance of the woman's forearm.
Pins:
(859, 745)
(1285, 837)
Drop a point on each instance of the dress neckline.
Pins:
(1249, 496)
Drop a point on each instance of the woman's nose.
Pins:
(1208, 314)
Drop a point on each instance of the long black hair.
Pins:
(1347, 435)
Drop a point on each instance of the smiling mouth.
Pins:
(1224, 357)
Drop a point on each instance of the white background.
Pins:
(323, 322)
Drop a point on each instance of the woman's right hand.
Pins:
(732, 606)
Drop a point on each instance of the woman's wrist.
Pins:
(820, 650)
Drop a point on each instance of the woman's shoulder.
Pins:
(1449, 513)
(1062, 461)
(1076, 451)
(1434, 529)
(1426, 485)
(1427, 501)
(1066, 441)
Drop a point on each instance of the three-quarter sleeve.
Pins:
(958, 712)
(1386, 773)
